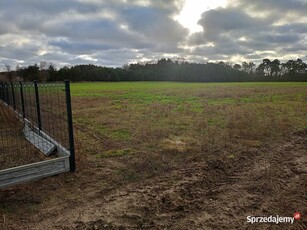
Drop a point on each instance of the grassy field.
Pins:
(161, 155)
(145, 117)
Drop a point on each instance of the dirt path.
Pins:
(210, 192)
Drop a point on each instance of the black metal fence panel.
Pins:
(15, 150)
(34, 119)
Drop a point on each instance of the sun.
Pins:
(192, 10)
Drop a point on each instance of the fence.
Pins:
(36, 131)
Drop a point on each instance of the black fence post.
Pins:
(7, 99)
(70, 128)
(38, 110)
(2, 91)
(13, 95)
(22, 101)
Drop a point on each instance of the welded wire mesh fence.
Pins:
(15, 150)
(34, 119)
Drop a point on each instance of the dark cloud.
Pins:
(115, 32)
(229, 19)
(293, 28)
(280, 7)
(247, 28)
(87, 27)
(154, 24)
(79, 47)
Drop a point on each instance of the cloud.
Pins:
(155, 24)
(115, 32)
(221, 20)
(87, 27)
(246, 28)
(280, 7)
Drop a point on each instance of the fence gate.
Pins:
(36, 131)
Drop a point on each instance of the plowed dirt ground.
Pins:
(203, 192)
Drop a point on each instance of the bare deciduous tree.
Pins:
(9, 72)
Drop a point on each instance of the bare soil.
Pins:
(202, 191)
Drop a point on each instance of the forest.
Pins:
(164, 70)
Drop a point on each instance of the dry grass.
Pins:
(166, 123)
(191, 119)
(144, 121)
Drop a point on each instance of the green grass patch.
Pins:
(114, 153)
(129, 115)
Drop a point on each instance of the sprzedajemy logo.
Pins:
(273, 219)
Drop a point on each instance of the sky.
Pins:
(118, 32)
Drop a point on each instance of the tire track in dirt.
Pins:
(211, 193)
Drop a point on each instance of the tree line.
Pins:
(165, 70)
